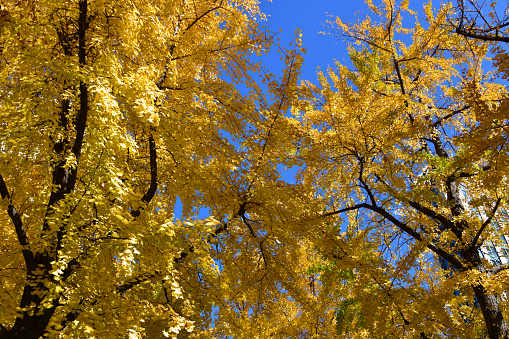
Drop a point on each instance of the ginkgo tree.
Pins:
(110, 112)
(411, 145)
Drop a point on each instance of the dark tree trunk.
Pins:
(496, 325)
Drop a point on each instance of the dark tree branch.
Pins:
(136, 281)
(439, 146)
(153, 171)
(3, 331)
(483, 37)
(65, 178)
(417, 76)
(221, 49)
(405, 228)
(246, 222)
(452, 190)
(430, 213)
(184, 255)
(70, 316)
(450, 115)
(60, 175)
(394, 301)
(220, 229)
(363, 183)
(469, 175)
(81, 119)
(70, 268)
(198, 18)
(351, 208)
(153, 177)
(162, 78)
(400, 78)
(437, 216)
(33, 320)
(486, 223)
(20, 229)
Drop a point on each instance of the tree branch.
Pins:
(69, 317)
(351, 208)
(482, 37)
(136, 281)
(497, 269)
(363, 183)
(469, 175)
(486, 223)
(400, 78)
(450, 115)
(153, 171)
(405, 228)
(220, 229)
(439, 217)
(198, 18)
(81, 119)
(153, 177)
(18, 225)
(3, 331)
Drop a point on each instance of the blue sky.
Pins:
(310, 16)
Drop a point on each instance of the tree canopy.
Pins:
(112, 112)
(411, 145)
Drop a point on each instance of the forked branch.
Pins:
(405, 228)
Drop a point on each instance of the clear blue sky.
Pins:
(310, 16)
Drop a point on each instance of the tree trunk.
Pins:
(496, 325)
(32, 323)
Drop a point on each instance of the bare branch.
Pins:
(483, 37)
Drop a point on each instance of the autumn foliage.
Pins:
(112, 112)
(410, 148)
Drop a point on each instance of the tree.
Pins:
(110, 112)
(411, 144)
